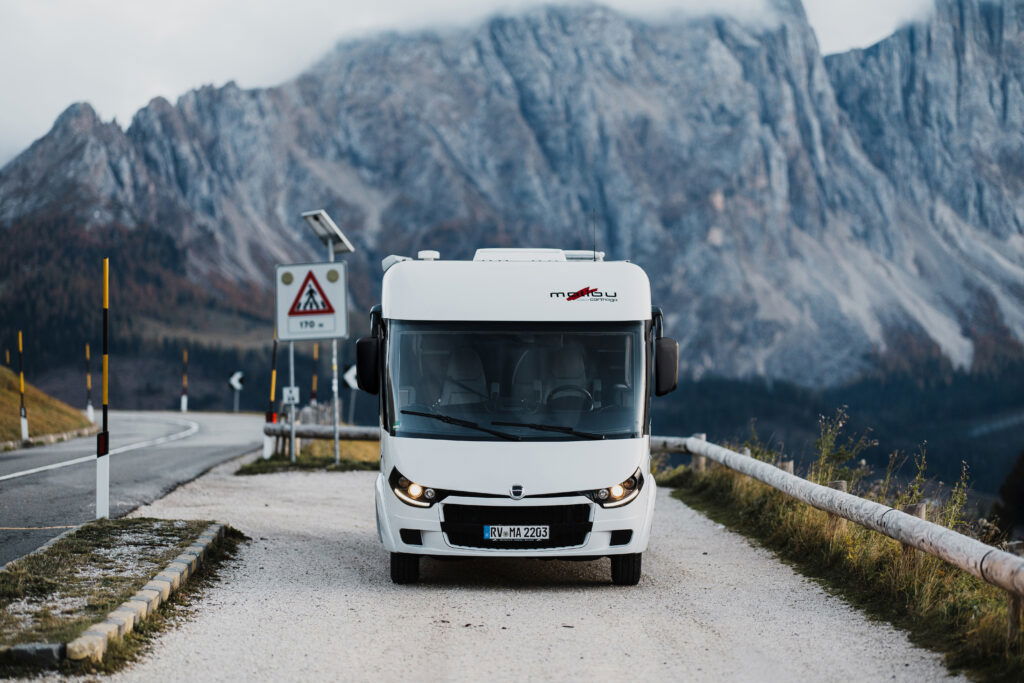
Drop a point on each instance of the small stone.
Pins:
(148, 596)
(172, 577)
(104, 629)
(87, 647)
(161, 586)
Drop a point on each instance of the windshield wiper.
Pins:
(448, 419)
(551, 428)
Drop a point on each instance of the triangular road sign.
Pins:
(311, 299)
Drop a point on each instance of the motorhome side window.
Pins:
(522, 381)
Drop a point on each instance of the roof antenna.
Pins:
(593, 224)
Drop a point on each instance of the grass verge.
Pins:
(54, 595)
(941, 607)
(46, 415)
(319, 455)
(179, 607)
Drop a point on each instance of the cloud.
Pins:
(842, 25)
(118, 55)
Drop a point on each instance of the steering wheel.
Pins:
(572, 389)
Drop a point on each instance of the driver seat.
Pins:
(464, 380)
(567, 368)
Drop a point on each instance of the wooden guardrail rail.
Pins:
(995, 566)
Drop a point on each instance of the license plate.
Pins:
(494, 532)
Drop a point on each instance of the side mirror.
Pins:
(368, 364)
(666, 366)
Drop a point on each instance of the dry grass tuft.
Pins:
(46, 415)
(319, 455)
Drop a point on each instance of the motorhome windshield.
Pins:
(516, 381)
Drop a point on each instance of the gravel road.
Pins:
(311, 600)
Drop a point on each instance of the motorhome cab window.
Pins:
(516, 381)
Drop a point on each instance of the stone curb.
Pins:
(47, 439)
(92, 644)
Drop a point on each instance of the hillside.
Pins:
(46, 415)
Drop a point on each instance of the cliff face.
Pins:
(801, 218)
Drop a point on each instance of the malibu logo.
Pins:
(586, 294)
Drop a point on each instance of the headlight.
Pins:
(411, 493)
(619, 494)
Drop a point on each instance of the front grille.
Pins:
(464, 524)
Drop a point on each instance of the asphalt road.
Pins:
(309, 598)
(159, 451)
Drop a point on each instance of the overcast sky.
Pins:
(118, 54)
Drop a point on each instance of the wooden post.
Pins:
(916, 510)
(699, 462)
(787, 466)
(836, 523)
(1014, 610)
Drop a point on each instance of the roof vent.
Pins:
(583, 255)
(519, 255)
(428, 255)
(391, 260)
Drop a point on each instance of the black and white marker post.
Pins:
(90, 414)
(21, 384)
(268, 441)
(184, 380)
(103, 438)
(316, 373)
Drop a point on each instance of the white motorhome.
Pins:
(514, 407)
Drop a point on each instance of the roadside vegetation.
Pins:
(942, 607)
(319, 455)
(54, 595)
(46, 415)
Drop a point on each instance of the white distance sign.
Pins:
(311, 301)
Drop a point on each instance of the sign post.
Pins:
(336, 242)
(103, 438)
(353, 386)
(291, 404)
(21, 384)
(311, 305)
(236, 381)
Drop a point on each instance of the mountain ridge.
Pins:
(731, 160)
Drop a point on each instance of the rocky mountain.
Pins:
(803, 218)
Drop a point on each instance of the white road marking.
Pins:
(193, 427)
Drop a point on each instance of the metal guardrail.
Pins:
(995, 566)
(312, 431)
(992, 565)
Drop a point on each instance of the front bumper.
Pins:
(394, 516)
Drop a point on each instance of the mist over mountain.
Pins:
(803, 219)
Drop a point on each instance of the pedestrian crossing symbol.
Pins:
(311, 299)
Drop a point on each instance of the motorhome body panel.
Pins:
(530, 291)
(540, 468)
